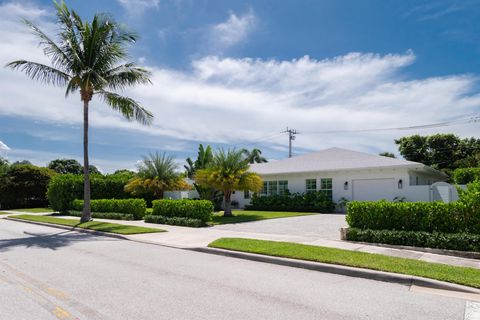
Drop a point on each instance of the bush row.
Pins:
(466, 175)
(63, 189)
(438, 240)
(302, 202)
(104, 215)
(176, 221)
(184, 208)
(135, 207)
(456, 217)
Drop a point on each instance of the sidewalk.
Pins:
(183, 237)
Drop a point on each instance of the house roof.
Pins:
(334, 159)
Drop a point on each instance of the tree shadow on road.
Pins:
(49, 241)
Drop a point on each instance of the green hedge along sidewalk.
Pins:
(442, 272)
(91, 225)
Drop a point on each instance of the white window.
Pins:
(282, 187)
(246, 194)
(326, 187)
(311, 185)
(272, 187)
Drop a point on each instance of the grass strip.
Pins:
(91, 225)
(460, 275)
(247, 215)
(34, 210)
(3, 212)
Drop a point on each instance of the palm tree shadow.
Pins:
(49, 241)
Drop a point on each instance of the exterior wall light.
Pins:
(400, 184)
(345, 185)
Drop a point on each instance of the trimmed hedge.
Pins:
(295, 202)
(175, 221)
(135, 207)
(456, 217)
(184, 208)
(64, 188)
(466, 175)
(438, 240)
(104, 215)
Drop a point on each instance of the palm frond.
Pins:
(59, 58)
(130, 108)
(126, 75)
(41, 72)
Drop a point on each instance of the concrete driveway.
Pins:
(323, 226)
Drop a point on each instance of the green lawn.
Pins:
(5, 212)
(34, 210)
(247, 215)
(459, 275)
(92, 225)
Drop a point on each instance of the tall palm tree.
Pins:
(229, 172)
(254, 156)
(89, 57)
(157, 173)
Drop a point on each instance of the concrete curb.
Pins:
(309, 265)
(342, 270)
(58, 226)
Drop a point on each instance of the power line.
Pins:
(291, 136)
(472, 119)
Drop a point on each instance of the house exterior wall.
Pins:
(409, 191)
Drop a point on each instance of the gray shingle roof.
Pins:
(333, 159)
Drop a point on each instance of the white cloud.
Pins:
(136, 7)
(3, 146)
(236, 101)
(233, 31)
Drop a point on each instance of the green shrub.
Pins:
(453, 217)
(175, 221)
(450, 241)
(466, 175)
(63, 189)
(24, 186)
(135, 207)
(104, 215)
(298, 202)
(186, 208)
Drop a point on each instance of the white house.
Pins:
(348, 174)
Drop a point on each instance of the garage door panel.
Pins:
(374, 189)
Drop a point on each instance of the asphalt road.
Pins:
(48, 273)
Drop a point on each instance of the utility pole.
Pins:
(291, 136)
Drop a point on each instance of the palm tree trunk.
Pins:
(87, 215)
(227, 212)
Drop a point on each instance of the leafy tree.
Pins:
(441, 151)
(64, 166)
(24, 185)
(93, 170)
(19, 162)
(254, 156)
(229, 172)
(157, 173)
(89, 57)
(3, 166)
(387, 154)
(124, 171)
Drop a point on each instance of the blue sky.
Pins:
(235, 73)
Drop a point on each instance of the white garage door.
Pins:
(374, 189)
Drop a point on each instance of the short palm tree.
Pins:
(254, 156)
(157, 173)
(89, 57)
(229, 172)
